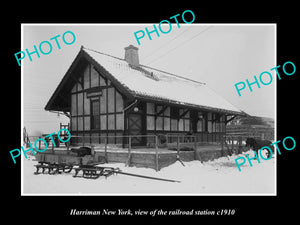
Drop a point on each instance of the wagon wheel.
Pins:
(67, 168)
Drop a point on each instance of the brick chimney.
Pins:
(131, 55)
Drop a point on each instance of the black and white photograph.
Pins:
(127, 114)
(177, 113)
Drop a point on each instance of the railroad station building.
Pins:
(108, 96)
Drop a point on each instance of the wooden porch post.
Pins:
(195, 148)
(105, 150)
(40, 142)
(178, 145)
(68, 147)
(52, 147)
(232, 144)
(178, 150)
(156, 154)
(222, 144)
(83, 137)
(129, 152)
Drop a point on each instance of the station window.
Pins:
(95, 112)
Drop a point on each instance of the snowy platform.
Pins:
(217, 177)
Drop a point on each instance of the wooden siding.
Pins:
(161, 118)
(90, 89)
(169, 120)
(94, 89)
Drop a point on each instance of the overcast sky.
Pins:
(219, 55)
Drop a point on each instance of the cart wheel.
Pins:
(67, 169)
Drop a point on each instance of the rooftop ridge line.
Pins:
(141, 65)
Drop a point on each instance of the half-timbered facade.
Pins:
(106, 96)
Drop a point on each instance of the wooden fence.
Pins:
(184, 148)
(258, 131)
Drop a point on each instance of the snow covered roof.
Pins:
(149, 83)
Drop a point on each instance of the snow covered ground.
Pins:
(218, 177)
